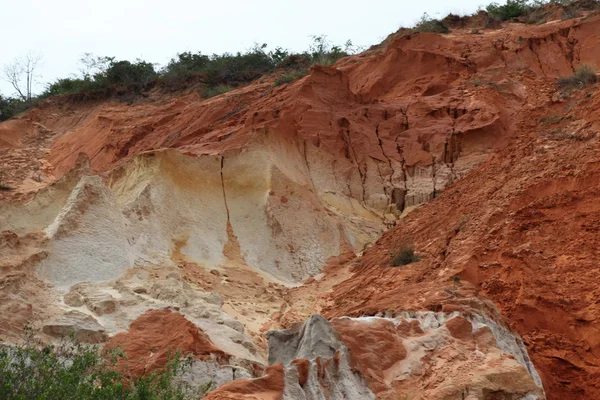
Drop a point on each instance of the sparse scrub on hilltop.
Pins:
(222, 69)
(429, 24)
(511, 9)
(217, 73)
(290, 77)
(101, 72)
(11, 106)
(212, 91)
(232, 69)
(535, 11)
(323, 52)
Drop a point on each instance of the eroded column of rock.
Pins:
(429, 356)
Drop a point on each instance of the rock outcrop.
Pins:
(432, 356)
(85, 327)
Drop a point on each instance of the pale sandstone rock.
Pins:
(85, 328)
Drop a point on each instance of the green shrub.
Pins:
(212, 91)
(219, 73)
(72, 370)
(290, 77)
(69, 86)
(570, 12)
(405, 255)
(226, 68)
(584, 76)
(126, 73)
(10, 107)
(323, 52)
(512, 9)
(428, 24)
(110, 72)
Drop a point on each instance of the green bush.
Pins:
(290, 77)
(232, 69)
(126, 73)
(583, 76)
(11, 107)
(6, 108)
(323, 52)
(71, 370)
(212, 91)
(512, 9)
(405, 255)
(428, 24)
(110, 72)
(218, 73)
(70, 85)
(570, 12)
(226, 68)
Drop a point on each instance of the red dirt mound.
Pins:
(156, 335)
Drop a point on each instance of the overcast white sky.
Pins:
(62, 30)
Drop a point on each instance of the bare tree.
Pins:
(91, 64)
(21, 74)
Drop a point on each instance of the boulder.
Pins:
(85, 327)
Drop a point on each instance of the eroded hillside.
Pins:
(219, 226)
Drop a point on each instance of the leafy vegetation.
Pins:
(429, 24)
(290, 77)
(108, 71)
(533, 11)
(72, 370)
(216, 74)
(212, 91)
(404, 256)
(222, 69)
(11, 106)
(512, 9)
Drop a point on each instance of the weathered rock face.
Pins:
(429, 356)
(316, 363)
(85, 327)
(216, 208)
(162, 329)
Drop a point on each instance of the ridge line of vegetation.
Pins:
(523, 11)
(215, 73)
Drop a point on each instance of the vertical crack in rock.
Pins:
(363, 176)
(405, 114)
(231, 249)
(305, 155)
(433, 171)
(223, 187)
(385, 155)
(537, 56)
(401, 203)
